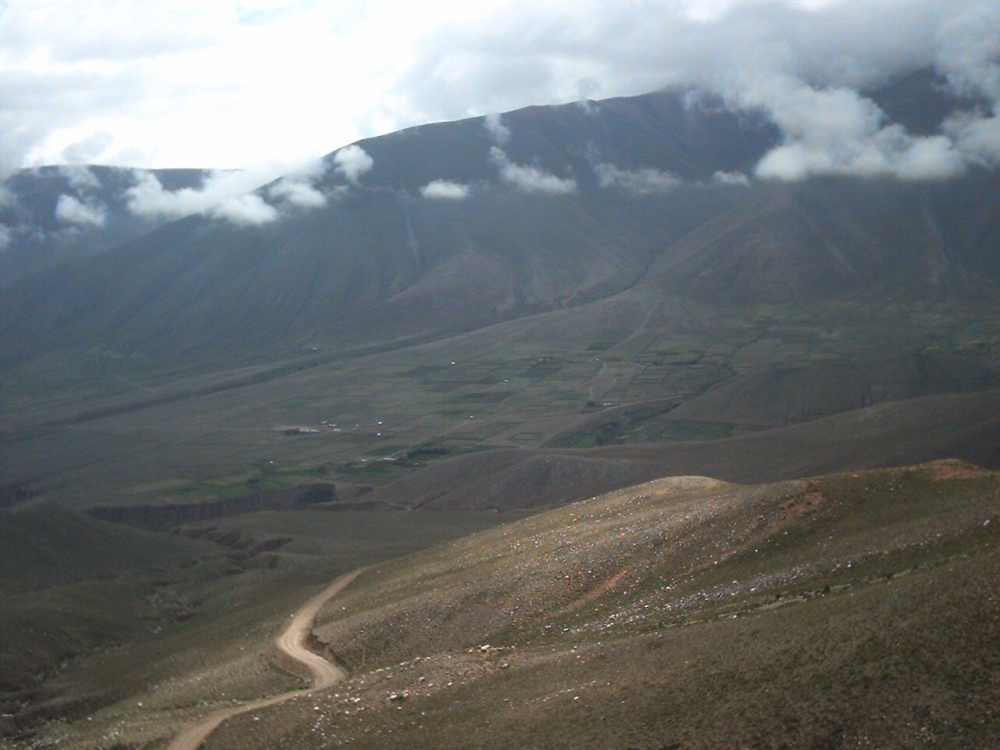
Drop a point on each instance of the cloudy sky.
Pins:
(267, 85)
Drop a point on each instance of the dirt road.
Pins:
(290, 641)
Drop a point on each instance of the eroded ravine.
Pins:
(290, 641)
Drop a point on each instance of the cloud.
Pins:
(837, 131)
(645, 181)
(499, 132)
(977, 138)
(228, 194)
(297, 192)
(149, 198)
(730, 178)
(161, 83)
(444, 190)
(89, 149)
(529, 179)
(80, 177)
(69, 210)
(245, 210)
(6, 237)
(352, 162)
(802, 63)
(968, 50)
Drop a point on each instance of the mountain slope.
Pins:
(599, 625)
(51, 215)
(891, 434)
(555, 206)
(571, 262)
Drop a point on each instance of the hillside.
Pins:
(555, 277)
(94, 614)
(52, 215)
(601, 624)
(549, 207)
(566, 277)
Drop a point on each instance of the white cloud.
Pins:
(352, 162)
(6, 237)
(171, 83)
(499, 132)
(444, 190)
(730, 178)
(245, 210)
(298, 192)
(80, 177)
(71, 211)
(968, 49)
(149, 198)
(645, 181)
(837, 131)
(529, 179)
(89, 149)
(976, 137)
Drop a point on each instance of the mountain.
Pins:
(691, 399)
(380, 261)
(50, 215)
(571, 276)
(579, 203)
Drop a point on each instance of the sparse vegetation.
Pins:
(601, 624)
(247, 391)
(688, 613)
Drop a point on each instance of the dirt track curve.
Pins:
(290, 641)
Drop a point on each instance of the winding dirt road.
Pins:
(290, 641)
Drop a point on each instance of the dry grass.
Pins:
(850, 611)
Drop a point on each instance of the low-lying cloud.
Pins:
(80, 177)
(351, 162)
(730, 178)
(229, 194)
(529, 179)
(87, 81)
(245, 210)
(837, 131)
(499, 132)
(297, 192)
(445, 190)
(977, 138)
(149, 198)
(69, 210)
(804, 64)
(645, 181)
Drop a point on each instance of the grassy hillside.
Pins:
(691, 613)
(104, 616)
(839, 611)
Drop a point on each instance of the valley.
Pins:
(599, 436)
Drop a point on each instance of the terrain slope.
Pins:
(290, 642)
(100, 623)
(559, 277)
(842, 611)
